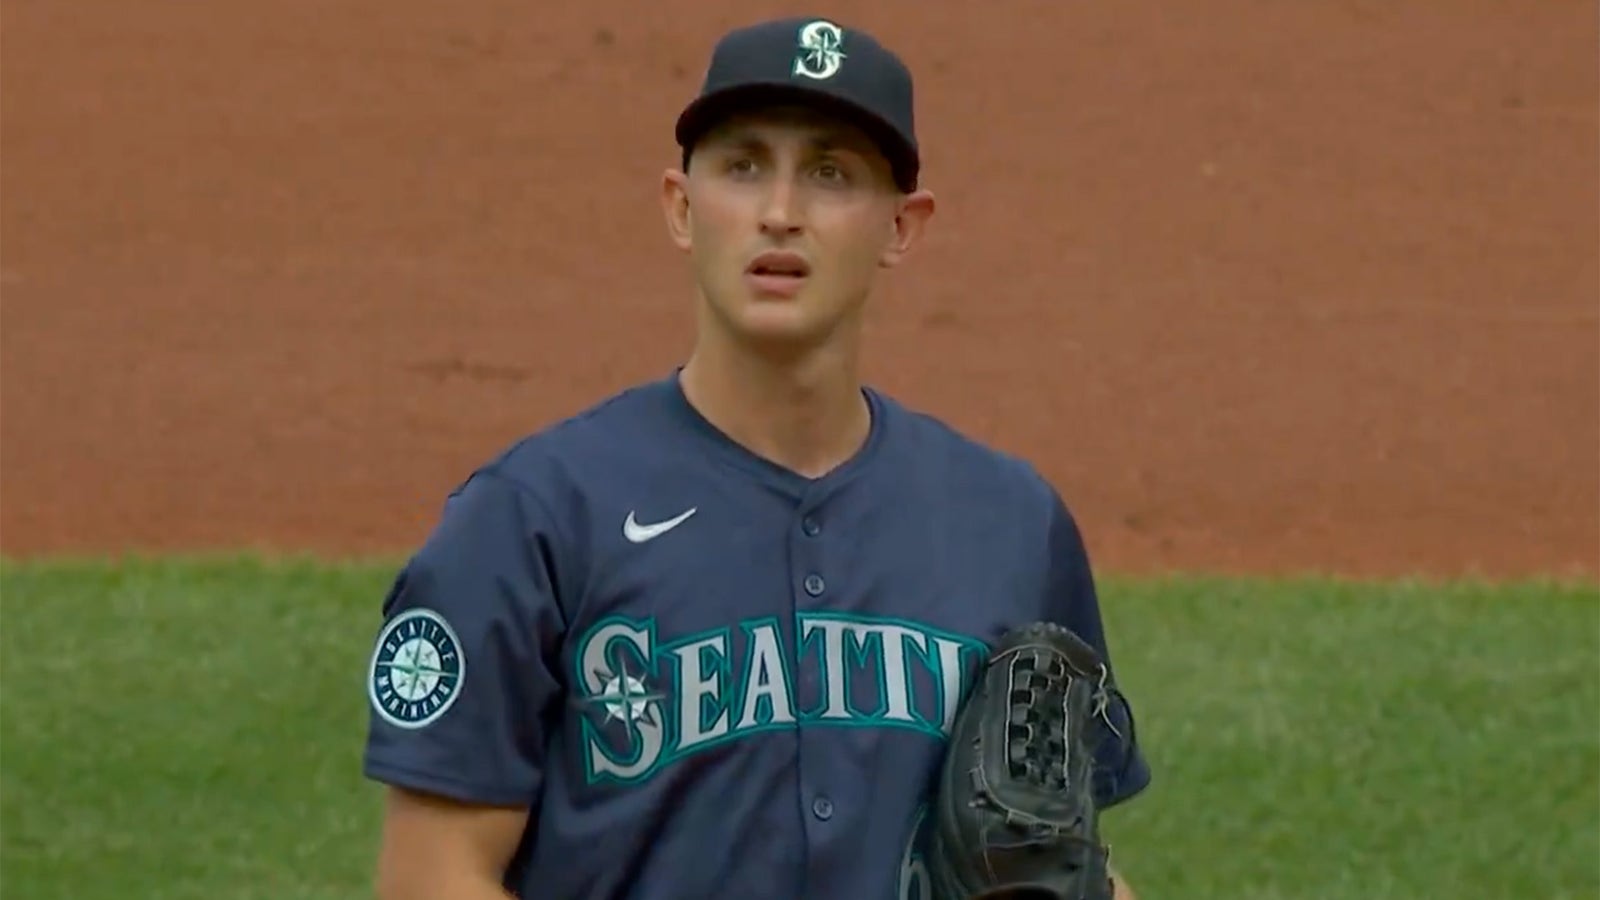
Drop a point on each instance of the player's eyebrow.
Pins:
(833, 141)
(823, 138)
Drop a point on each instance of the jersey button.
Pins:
(810, 526)
(822, 808)
(815, 585)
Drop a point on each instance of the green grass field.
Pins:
(193, 730)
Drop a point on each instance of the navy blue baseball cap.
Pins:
(816, 63)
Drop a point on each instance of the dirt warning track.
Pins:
(1260, 286)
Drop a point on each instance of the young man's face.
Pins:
(787, 216)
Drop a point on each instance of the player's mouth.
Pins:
(778, 273)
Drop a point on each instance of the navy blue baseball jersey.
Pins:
(707, 675)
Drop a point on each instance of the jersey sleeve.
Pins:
(1122, 769)
(462, 680)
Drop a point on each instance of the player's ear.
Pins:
(916, 208)
(675, 206)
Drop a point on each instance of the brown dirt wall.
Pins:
(1261, 286)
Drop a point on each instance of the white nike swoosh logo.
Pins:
(633, 531)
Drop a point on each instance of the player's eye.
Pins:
(831, 172)
(741, 165)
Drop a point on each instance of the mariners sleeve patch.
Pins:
(417, 669)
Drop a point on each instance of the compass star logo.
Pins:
(416, 670)
(626, 698)
(821, 50)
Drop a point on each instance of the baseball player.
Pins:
(708, 637)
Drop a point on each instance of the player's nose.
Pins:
(780, 211)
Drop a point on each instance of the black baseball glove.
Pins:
(1014, 816)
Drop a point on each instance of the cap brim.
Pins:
(708, 109)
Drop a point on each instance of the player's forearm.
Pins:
(1120, 888)
(438, 848)
(443, 887)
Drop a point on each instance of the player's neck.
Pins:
(804, 412)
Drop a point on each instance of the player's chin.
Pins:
(779, 331)
(786, 319)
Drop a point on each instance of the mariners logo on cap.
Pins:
(416, 669)
(820, 54)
